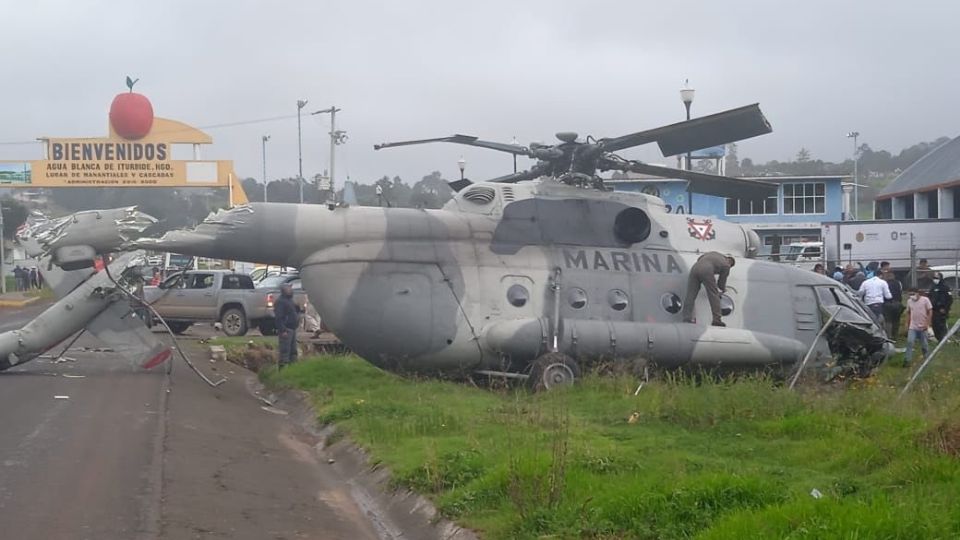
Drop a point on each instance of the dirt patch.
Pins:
(254, 356)
(944, 438)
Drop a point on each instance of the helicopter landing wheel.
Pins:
(553, 370)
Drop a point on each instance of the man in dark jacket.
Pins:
(287, 317)
(702, 273)
(942, 300)
(18, 277)
(893, 307)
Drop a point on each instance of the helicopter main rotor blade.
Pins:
(468, 140)
(707, 184)
(704, 132)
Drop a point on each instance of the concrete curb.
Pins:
(18, 303)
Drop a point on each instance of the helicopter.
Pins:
(535, 274)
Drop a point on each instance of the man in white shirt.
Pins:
(874, 291)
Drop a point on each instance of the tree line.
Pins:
(876, 167)
(431, 191)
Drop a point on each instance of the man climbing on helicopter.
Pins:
(709, 264)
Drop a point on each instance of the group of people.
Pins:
(27, 278)
(927, 306)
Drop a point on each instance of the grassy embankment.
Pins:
(730, 459)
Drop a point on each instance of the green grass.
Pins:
(235, 345)
(715, 459)
(44, 293)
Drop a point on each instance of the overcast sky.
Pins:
(496, 69)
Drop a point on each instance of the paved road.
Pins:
(135, 454)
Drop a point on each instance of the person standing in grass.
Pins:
(942, 300)
(875, 291)
(287, 316)
(919, 314)
(893, 306)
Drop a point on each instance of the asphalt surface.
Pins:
(97, 448)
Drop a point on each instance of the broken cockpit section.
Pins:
(857, 341)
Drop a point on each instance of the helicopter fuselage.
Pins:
(505, 273)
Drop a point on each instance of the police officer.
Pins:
(702, 273)
(287, 318)
(942, 301)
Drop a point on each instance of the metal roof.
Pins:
(939, 167)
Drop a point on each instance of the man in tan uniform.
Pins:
(702, 273)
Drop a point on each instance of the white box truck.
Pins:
(937, 240)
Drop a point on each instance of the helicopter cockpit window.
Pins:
(577, 298)
(832, 297)
(618, 300)
(670, 302)
(517, 295)
(631, 225)
(826, 296)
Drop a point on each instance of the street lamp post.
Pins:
(264, 140)
(515, 142)
(336, 137)
(686, 96)
(301, 103)
(462, 164)
(856, 177)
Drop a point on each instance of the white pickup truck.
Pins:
(195, 296)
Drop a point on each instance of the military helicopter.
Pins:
(532, 274)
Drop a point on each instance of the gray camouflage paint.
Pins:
(426, 290)
(87, 299)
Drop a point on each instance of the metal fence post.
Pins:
(913, 262)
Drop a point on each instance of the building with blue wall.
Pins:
(794, 215)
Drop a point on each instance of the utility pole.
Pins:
(333, 145)
(856, 178)
(301, 103)
(336, 137)
(264, 139)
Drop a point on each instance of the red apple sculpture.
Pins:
(131, 114)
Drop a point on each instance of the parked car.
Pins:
(803, 254)
(261, 272)
(195, 296)
(270, 286)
